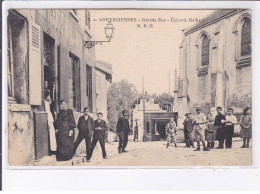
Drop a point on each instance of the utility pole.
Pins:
(169, 105)
(143, 109)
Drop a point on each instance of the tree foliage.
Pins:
(164, 100)
(121, 95)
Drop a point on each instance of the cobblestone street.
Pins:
(156, 154)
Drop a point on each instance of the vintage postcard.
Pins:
(129, 87)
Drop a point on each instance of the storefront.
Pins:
(156, 123)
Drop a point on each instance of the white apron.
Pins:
(53, 143)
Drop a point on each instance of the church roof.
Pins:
(217, 15)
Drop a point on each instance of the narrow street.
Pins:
(156, 154)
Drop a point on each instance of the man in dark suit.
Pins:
(122, 130)
(85, 127)
(100, 127)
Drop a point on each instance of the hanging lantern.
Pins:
(109, 31)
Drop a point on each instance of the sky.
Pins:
(150, 52)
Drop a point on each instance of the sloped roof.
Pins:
(210, 18)
(104, 66)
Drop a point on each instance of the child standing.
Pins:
(246, 127)
(210, 131)
(171, 131)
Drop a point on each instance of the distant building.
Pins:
(155, 121)
(215, 63)
(45, 45)
(103, 81)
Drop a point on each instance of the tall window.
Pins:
(205, 51)
(10, 64)
(246, 37)
(74, 81)
(89, 85)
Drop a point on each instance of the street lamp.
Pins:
(109, 31)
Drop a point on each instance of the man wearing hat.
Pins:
(122, 129)
(199, 128)
(188, 129)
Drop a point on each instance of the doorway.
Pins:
(160, 127)
(50, 81)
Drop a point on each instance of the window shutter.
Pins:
(35, 92)
(78, 93)
(64, 73)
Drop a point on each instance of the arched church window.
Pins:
(205, 50)
(246, 37)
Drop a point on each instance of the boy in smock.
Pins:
(171, 131)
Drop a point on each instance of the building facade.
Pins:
(103, 81)
(215, 63)
(45, 46)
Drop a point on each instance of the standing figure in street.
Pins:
(100, 127)
(47, 105)
(199, 129)
(85, 127)
(231, 120)
(122, 129)
(246, 127)
(136, 133)
(171, 131)
(220, 127)
(64, 125)
(210, 131)
(188, 129)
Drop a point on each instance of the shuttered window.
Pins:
(10, 64)
(205, 51)
(246, 37)
(87, 18)
(35, 95)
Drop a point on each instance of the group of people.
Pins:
(210, 129)
(62, 130)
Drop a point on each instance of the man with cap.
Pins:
(219, 124)
(199, 128)
(188, 129)
(122, 129)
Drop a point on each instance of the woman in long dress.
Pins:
(47, 103)
(246, 127)
(64, 128)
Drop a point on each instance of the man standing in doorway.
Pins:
(199, 128)
(122, 130)
(85, 127)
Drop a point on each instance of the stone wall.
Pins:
(232, 85)
(20, 135)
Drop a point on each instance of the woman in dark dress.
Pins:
(64, 128)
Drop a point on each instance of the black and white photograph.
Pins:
(129, 87)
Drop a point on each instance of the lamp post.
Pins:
(109, 32)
